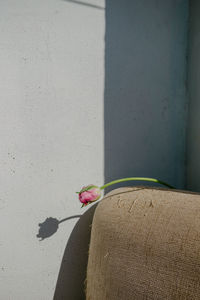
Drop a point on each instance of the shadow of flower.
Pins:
(50, 226)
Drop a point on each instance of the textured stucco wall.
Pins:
(51, 133)
(193, 142)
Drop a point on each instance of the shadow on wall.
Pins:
(72, 275)
(50, 226)
(85, 4)
(145, 62)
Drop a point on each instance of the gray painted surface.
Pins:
(145, 94)
(193, 142)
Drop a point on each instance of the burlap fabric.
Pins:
(145, 244)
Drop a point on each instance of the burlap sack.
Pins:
(145, 244)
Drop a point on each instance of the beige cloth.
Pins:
(145, 244)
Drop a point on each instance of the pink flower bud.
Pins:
(89, 194)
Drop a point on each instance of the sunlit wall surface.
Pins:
(51, 133)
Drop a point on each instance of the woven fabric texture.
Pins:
(145, 244)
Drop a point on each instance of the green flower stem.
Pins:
(135, 178)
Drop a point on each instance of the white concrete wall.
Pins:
(51, 133)
(193, 142)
